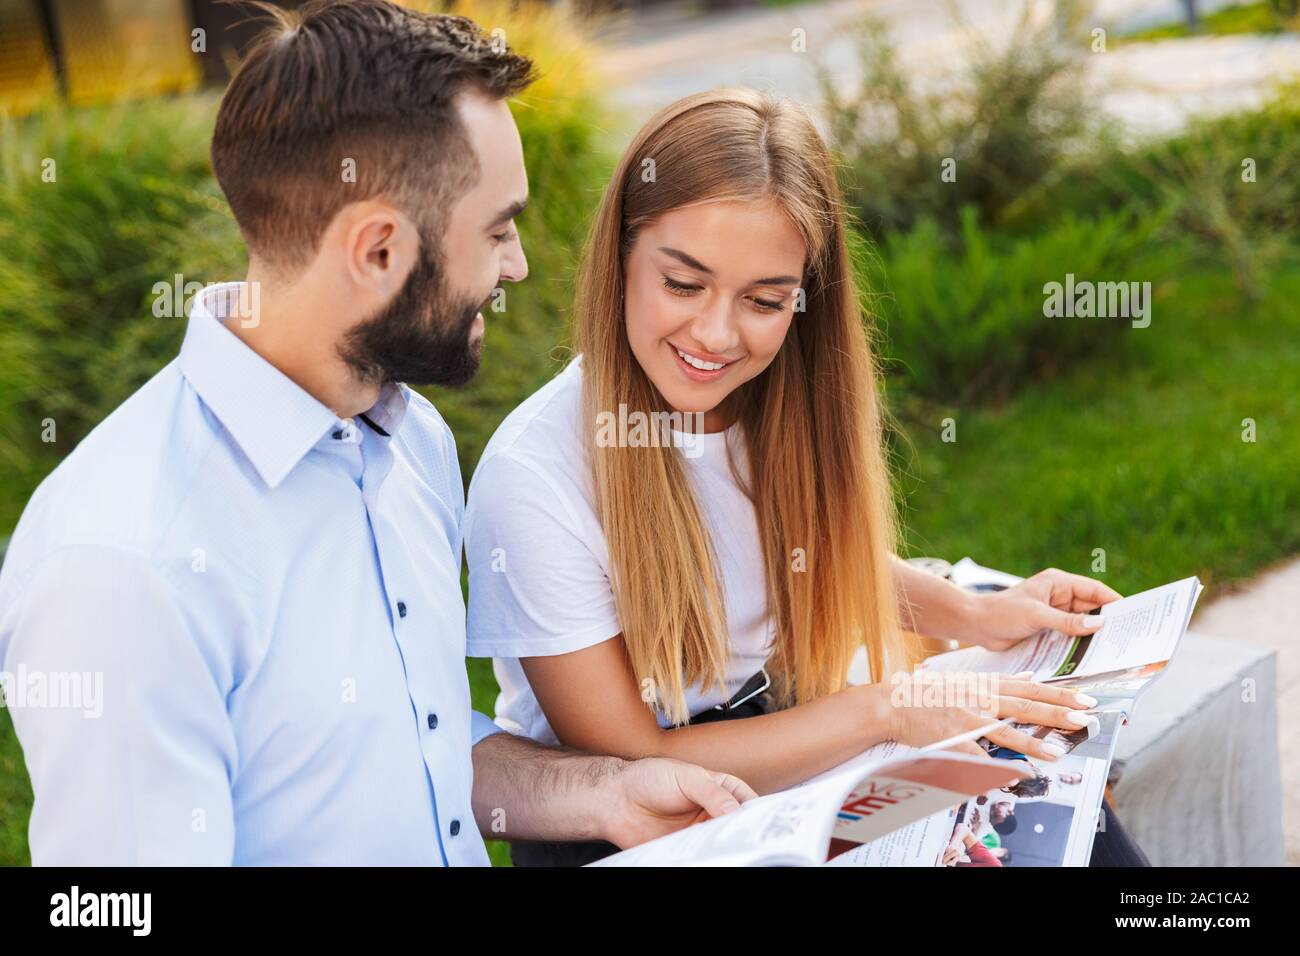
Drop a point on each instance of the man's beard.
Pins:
(422, 337)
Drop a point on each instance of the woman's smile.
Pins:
(700, 367)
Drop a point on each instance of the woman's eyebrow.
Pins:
(685, 259)
(696, 264)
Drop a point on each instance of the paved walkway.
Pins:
(1267, 612)
(660, 55)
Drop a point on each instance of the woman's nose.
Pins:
(715, 329)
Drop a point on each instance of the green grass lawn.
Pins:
(1247, 18)
(15, 798)
(1137, 451)
(483, 694)
(1140, 454)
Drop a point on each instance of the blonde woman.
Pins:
(641, 587)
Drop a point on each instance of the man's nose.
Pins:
(514, 264)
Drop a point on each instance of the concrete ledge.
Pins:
(1196, 777)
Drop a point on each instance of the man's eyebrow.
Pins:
(701, 267)
(514, 209)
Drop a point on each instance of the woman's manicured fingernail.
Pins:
(1093, 620)
(1078, 718)
(731, 806)
(1054, 750)
(1083, 700)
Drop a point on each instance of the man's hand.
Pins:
(1052, 599)
(656, 796)
(525, 791)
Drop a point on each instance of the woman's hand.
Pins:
(925, 707)
(1053, 599)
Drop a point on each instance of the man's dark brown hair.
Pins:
(352, 89)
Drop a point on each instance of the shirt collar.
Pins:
(272, 419)
(390, 408)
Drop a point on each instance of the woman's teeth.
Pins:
(702, 365)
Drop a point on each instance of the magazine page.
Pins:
(861, 801)
(1049, 819)
(1135, 641)
(789, 828)
(913, 788)
(918, 844)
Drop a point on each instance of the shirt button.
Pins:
(401, 609)
(433, 721)
(455, 827)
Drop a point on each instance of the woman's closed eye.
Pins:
(685, 289)
(680, 288)
(769, 305)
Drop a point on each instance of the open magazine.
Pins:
(854, 804)
(896, 805)
(1050, 819)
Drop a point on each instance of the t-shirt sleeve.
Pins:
(537, 584)
(481, 727)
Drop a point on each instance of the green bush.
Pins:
(962, 319)
(96, 206)
(913, 150)
(1230, 183)
(1040, 189)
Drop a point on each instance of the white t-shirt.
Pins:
(539, 565)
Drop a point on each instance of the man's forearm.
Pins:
(525, 791)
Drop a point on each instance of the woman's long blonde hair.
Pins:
(812, 423)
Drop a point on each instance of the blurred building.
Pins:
(97, 50)
(90, 51)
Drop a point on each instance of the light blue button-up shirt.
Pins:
(268, 598)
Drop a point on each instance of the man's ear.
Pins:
(379, 247)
